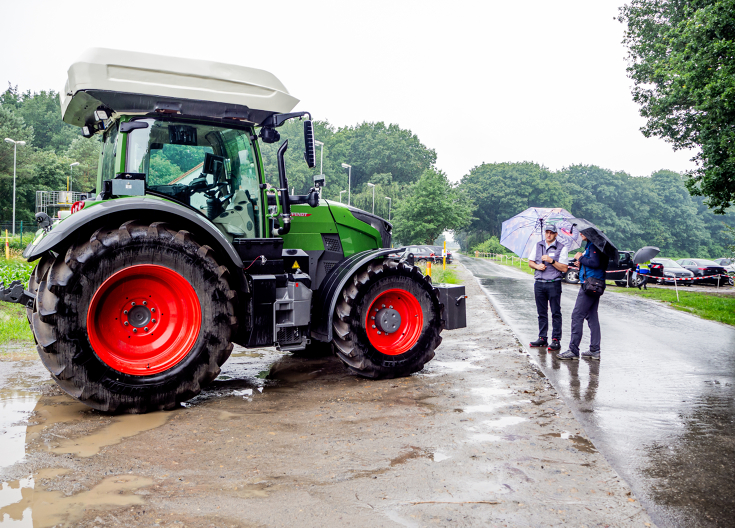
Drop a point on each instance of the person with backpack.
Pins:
(592, 266)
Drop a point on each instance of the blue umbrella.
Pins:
(521, 233)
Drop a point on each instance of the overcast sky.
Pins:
(481, 81)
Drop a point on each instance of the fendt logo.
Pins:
(300, 214)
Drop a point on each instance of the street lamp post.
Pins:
(390, 202)
(71, 177)
(349, 182)
(373, 186)
(340, 195)
(15, 152)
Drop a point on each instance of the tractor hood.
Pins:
(127, 82)
(383, 227)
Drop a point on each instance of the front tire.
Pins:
(572, 276)
(393, 297)
(135, 319)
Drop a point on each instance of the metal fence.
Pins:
(23, 229)
(50, 202)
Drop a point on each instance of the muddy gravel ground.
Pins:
(479, 438)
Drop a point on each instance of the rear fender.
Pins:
(325, 298)
(86, 221)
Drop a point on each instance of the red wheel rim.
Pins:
(394, 322)
(162, 313)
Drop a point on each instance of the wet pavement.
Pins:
(660, 405)
(479, 438)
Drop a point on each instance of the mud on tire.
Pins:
(351, 341)
(65, 287)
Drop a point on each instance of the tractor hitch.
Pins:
(15, 293)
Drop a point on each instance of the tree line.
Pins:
(634, 211)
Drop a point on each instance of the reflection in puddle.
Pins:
(580, 442)
(24, 504)
(485, 437)
(505, 421)
(15, 408)
(122, 427)
(454, 366)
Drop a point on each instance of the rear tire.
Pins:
(410, 344)
(572, 276)
(182, 342)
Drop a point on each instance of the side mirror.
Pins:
(319, 181)
(310, 152)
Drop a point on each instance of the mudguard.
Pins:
(325, 299)
(149, 207)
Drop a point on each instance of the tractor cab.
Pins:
(170, 132)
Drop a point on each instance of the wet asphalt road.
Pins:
(660, 405)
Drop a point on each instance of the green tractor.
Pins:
(183, 250)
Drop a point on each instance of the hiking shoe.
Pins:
(591, 354)
(539, 343)
(554, 346)
(568, 355)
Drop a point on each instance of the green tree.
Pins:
(42, 111)
(431, 207)
(86, 152)
(682, 62)
(374, 148)
(502, 190)
(13, 126)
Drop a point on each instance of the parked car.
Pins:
(670, 269)
(706, 268)
(438, 251)
(424, 254)
(727, 263)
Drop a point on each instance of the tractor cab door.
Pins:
(209, 168)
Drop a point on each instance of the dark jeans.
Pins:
(548, 294)
(585, 308)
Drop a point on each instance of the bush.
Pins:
(491, 245)
(15, 269)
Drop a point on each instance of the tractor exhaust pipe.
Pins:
(285, 203)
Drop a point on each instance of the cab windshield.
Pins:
(208, 167)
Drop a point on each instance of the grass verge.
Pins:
(713, 306)
(441, 276)
(14, 325)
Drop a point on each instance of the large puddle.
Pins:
(35, 420)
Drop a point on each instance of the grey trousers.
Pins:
(585, 308)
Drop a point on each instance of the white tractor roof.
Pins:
(128, 82)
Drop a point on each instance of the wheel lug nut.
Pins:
(378, 332)
(391, 306)
(145, 303)
(383, 306)
(373, 326)
(125, 312)
(132, 303)
(153, 320)
(146, 329)
(126, 323)
(153, 309)
(135, 330)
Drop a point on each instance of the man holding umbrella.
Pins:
(550, 263)
(593, 264)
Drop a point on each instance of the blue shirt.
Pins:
(593, 263)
